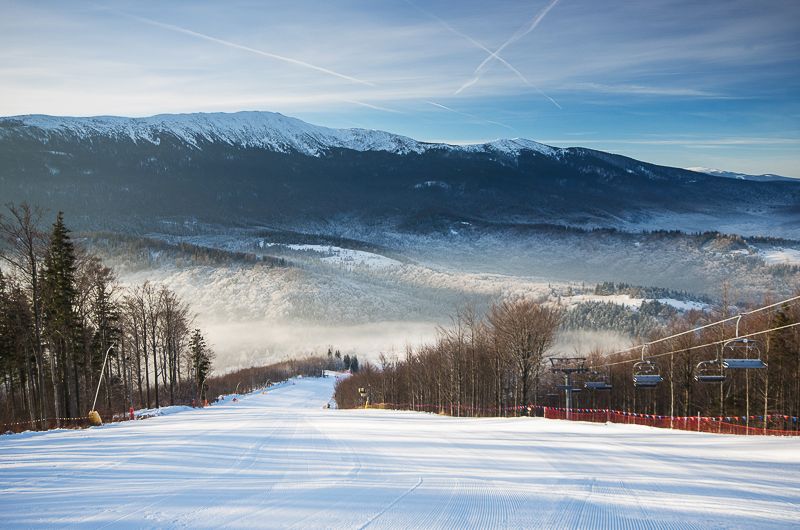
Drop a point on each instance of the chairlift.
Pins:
(597, 381)
(709, 372)
(741, 353)
(597, 385)
(646, 373)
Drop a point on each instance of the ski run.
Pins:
(281, 459)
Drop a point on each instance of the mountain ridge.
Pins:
(764, 177)
(260, 129)
(270, 168)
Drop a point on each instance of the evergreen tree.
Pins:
(201, 361)
(16, 354)
(60, 322)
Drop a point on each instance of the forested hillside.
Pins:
(499, 364)
(65, 322)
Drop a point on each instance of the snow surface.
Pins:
(281, 459)
(266, 130)
(636, 303)
(619, 299)
(160, 411)
(766, 177)
(343, 256)
(684, 305)
(781, 256)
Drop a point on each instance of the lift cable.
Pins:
(712, 324)
(715, 343)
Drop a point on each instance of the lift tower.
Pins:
(568, 366)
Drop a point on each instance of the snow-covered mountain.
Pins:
(266, 168)
(765, 177)
(265, 130)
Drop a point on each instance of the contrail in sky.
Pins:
(371, 106)
(495, 55)
(444, 107)
(474, 42)
(518, 35)
(241, 47)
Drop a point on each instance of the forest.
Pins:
(65, 323)
(500, 363)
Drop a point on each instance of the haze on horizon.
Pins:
(672, 82)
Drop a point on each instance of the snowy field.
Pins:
(781, 256)
(281, 459)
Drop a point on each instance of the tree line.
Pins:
(499, 363)
(477, 366)
(63, 313)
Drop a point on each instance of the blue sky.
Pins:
(682, 83)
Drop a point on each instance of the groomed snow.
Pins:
(161, 411)
(282, 460)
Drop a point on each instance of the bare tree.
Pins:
(525, 330)
(25, 244)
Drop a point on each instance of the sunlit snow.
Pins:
(781, 256)
(266, 130)
(346, 256)
(281, 459)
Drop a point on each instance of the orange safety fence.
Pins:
(777, 424)
(712, 424)
(57, 423)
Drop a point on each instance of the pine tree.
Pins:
(58, 308)
(201, 361)
(16, 354)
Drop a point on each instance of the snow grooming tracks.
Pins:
(281, 460)
(231, 496)
(392, 505)
(191, 487)
(489, 504)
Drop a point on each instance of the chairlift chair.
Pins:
(646, 373)
(597, 381)
(742, 354)
(597, 385)
(709, 372)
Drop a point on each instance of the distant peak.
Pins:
(765, 177)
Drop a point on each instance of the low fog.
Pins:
(366, 304)
(242, 344)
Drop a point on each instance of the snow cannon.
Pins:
(94, 418)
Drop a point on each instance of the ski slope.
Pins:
(281, 459)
